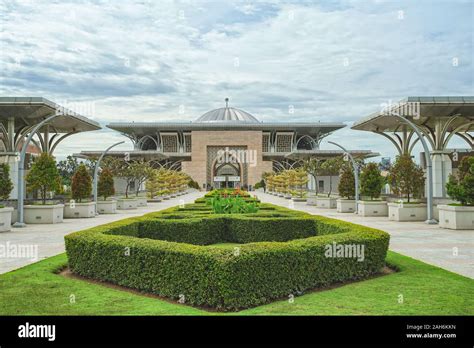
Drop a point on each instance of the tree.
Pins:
(371, 181)
(44, 176)
(6, 185)
(406, 178)
(346, 185)
(69, 166)
(141, 171)
(300, 182)
(105, 186)
(81, 184)
(461, 187)
(331, 167)
(313, 166)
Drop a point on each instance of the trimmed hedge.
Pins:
(169, 253)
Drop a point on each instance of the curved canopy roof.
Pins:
(227, 114)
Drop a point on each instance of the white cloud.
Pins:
(142, 60)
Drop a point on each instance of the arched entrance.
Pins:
(227, 175)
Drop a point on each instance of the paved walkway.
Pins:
(449, 249)
(48, 240)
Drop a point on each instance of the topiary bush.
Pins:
(6, 185)
(105, 186)
(170, 253)
(461, 187)
(44, 176)
(81, 184)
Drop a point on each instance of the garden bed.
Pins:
(166, 253)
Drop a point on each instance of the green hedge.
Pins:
(143, 253)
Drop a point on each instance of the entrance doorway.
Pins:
(226, 175)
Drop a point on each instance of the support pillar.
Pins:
(442, 168)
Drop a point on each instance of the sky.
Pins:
(328, 61)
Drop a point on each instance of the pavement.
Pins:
(449, 249)
(41, 241)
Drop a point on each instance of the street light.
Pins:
(429, 191)
(21, 169)
(96, 172)
(356, 174)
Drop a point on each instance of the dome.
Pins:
(227, 114)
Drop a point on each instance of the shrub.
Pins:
(81, 184)
(6, 185)
(406, 178)
(371, 181)
(105, 186)
(288, 259)
(461, 187)
(346, 185)
(44, 176)
(233, 205)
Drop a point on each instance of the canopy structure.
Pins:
(438, 119)
(18, 116)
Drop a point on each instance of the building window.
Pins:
(321, 185)
(266, 143)
(284, 142)
(170, 143)
(187, 142)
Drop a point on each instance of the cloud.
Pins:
(144, 61)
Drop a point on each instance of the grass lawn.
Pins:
(426, 290)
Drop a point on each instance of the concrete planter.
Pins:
(107, 207)
(142, 201)
(326, 202)
(166, 197)
(407, 212)
(44, 214)
(5, 219)
(126, 204)
(372, 208)
(456, 217)
(155, 199)
(299, 199)
(79, 210)
(173, 195)
(311, 200)
(287, 196)
(346, 205)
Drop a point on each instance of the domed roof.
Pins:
(227, 114)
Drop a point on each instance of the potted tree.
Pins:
(371, 183)
(153, 186)
(80, 205)
(346, 188)
(43, 178)
(300, 181)
(313, 167)
(459, 216)
(407, 181)
(141, 171)
(330, 167)
(126, 171)
(105, 189)
(6, 186)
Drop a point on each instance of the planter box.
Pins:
(155, 199)
(299, 199)
(5, 219)
(44, 214)
(372, 208)
(79, 210)
(456, 217)
(346, 205)
(173, 195)
(407, 212)
(287, 196)
(142, 201)
(311, 200)
(166, 197)
(126, 204)
(107, 207)
(326, 202)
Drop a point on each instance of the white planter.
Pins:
(326, 202)
(407, 212)
(166, 197)
(311, 200)
(43, 214)
(456, 217)
(107, 207)
(345, 205)
(299, 199)
(173, 195)
(142, 201)
(372, 208)
(287, 196)
(5, 219)
(79, 210)
(155, 199)
(126, 204)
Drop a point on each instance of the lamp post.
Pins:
(429, 174)
(356, 174)
(96, 172)
(21, 169)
